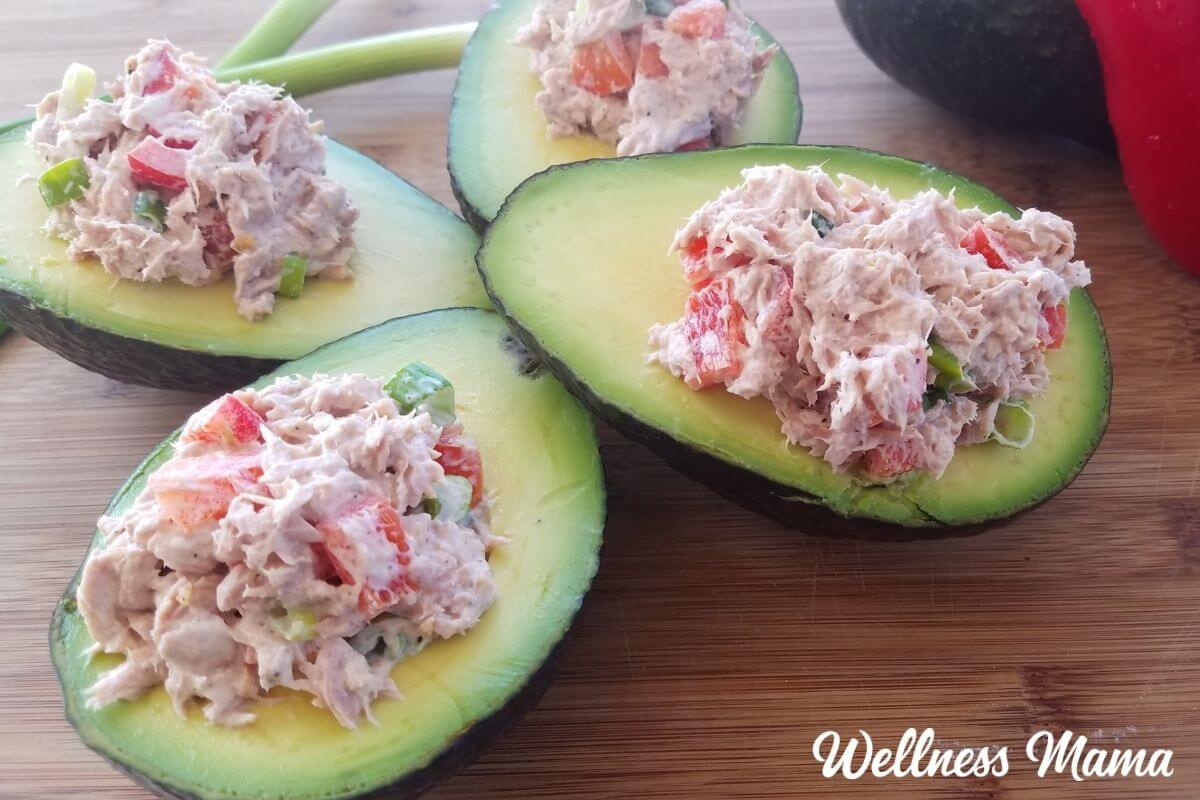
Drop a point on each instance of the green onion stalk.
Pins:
(358, 61)
(274, 34)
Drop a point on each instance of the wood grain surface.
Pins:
(717, 644)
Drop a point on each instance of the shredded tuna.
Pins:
(841, 290)
(641, 82)
(294, 552)
(251, 192)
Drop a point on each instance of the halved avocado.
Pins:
(542, 465)
(577, 261)
(498, 137)
(413, 255)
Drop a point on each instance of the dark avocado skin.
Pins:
(130, 360)
(1010, 63)
(470, 213)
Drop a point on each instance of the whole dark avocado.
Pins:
(1012, 63)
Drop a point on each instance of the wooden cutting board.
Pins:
(718, 645)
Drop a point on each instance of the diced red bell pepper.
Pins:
(889, 460)
(650, 63)
(703, 143)
(167, 72)
(325, 568)
(1052, 329)
(227, 420)
(171, 141)
(195, 490)
(154, 164)
(338, 556)
(459, 456)
(694, 256)
(713, 323)
(603, 67)
(980, 241)
(698, 19)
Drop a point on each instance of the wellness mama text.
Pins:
(917, 755)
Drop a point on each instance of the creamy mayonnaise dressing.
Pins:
(644, 76)
(285, 544)
(238, 167)
(825, 298)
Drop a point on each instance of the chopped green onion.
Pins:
(431, 506)
(1014, 424)
(294, 624)
(452, 499)
(951, 377)
(149, 210)
(943, 360)
(954, 385)
(418, 387)
(291, 276)
(822, 223)
(64, 182)
(376, 638)
(78, 83)
(933, 396)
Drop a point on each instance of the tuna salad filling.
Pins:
(309, 535)
(174, 175)
(885, 332)
(646, 76)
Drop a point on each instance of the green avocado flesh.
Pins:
(578, 260)
(413, 255)
(543, 470)
(498, 137)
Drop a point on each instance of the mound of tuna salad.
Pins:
(179, 176)
(647, 76)
(885, 332)
(309, 535)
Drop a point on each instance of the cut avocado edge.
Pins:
(546, 570)
(908, 508)
(490, 103)
(172, 336)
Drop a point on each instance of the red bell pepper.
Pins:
(1148, 50)
(154, 164)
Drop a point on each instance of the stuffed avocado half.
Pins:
(413, 255)
(578, 261)
(498, 135)
(547, 500)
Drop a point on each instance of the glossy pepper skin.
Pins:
(1150, 54)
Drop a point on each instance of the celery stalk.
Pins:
(284, 23)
